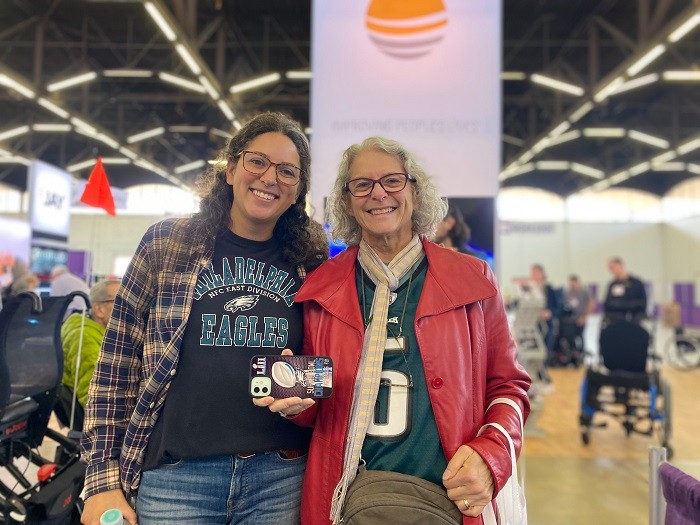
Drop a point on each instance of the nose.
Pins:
(378, 192)
(269, 176)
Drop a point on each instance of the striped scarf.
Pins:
(386, 279)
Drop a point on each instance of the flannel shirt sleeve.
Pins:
(114, 388)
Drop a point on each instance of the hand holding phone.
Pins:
(284, 376)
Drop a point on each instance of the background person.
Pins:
(453, 232)
(413, 310)
(577, 306)
(626, 297)
(169, 424)
(93, 326)
(64, 282)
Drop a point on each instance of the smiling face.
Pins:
(259, 200)
(385, 218)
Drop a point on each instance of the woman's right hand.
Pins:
(97, 504)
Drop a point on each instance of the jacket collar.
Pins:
(453, 280)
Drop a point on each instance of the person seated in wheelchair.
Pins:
(626, 298)
(577, 305)
(84, 334)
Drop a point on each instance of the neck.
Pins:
(253, 232)
(387, 246)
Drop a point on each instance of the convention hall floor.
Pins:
(606, 482)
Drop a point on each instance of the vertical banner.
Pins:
(49, 190)
(423, 72)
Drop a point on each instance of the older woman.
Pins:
(412, 322)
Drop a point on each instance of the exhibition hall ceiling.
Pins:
(596, 93)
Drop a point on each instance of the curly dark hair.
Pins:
(302, 239)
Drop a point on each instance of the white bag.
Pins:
(512, 508)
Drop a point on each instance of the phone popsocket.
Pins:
(291, 376)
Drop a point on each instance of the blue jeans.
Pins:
(263, 490)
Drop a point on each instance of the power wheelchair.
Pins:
(31, 369)
(627, 385)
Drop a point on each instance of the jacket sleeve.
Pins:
(91, 350)
(505, 378)
(115, 384)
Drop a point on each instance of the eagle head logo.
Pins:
(245, 302)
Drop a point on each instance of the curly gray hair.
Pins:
(429, 207)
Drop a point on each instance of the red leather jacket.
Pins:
(468, 354)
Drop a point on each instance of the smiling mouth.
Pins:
(263, 195)
(381, 211)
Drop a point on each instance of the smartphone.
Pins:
(291, 376)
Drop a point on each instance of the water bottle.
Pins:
(112, 517)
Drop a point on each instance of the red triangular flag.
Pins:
(97, 192)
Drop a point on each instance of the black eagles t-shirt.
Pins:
(243, 306)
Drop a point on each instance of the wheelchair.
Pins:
(627, 386)
(31, 369)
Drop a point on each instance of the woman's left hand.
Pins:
(468, 481)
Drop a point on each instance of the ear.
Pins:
(230, 169)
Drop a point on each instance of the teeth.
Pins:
(262, 195)
(381, 211)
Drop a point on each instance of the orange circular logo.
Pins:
(406, 28)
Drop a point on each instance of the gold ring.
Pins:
(467, 506)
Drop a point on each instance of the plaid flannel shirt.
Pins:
(139, 354)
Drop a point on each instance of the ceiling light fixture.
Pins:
(609, 88)
(581, 112)
(648, 139)
(190, 166)
(685, 28)
(604, 132)
(51, 128)
(618, 177)
(103, 137)
(188, 58)
(637, 83)
(554, 165)
(182, 82)
(81, 165)
(223, 106)
(72, 81)
(688, 146)
(646, 59)
(298, 75)
(566, 137)
(148, 134)
(664, 157)
(213, 93)
(513, 75)
(16, 86)
(669, 166)
(15, 159)
(159, 19)
(255, 83)
(587, 170)
(14, 132)
(220, 133)
(187, 129)
(82, 125)
(116, 160)
(53, 108)
(561, 128)
(559, 85)
(639, 168)
(128, 153)
(127, 73)
(681, 76)
(693, 168)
